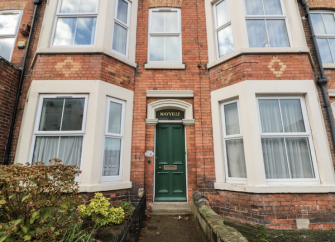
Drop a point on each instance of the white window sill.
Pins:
(293, 188)
(328, 65)
(84, 50)
(105, 187)
(165, 66)
(257, 51)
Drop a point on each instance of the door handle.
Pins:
(159, 168)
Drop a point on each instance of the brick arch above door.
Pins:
(170, 103)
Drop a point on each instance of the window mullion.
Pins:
(263, 7)
(78, 6)
(287, 159)
(61, 121)
(267, 34)
(331, 53)
(323, 22)
(281, 115)
(75, 32)
(58, 147)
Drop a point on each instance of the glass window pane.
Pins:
(293, 120)
(272, 7)
(157, 23)
(70, 150)
(222, 15)
(85, 33)
(275, 160)
(45, 149)
(332, 47)
(329, 23)
(120, 39)
(235, 158)
(69, 6)
(73, 114)
(277, 33)
(254, 7)
(172, 48)
(156, 49)
(324, 51)
(65, 30)
(270, 116)
(171, 22)
(6, 47)
(225, 41)
(257, 33)
(88, 6)
(51, 114)
(299, 158)
(112, 152)
(318, 23)
(114, 121)
(8, 23)
(231, 119)
(122, 11)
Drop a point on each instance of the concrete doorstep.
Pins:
(170, 208)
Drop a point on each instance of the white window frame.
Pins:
(306, 134)
(111, 179)
(74, 15)
(219, 28)
(231, 137)
(326, 36)
(270, 17)
(16, 28)
(38, 133)
(179, 34)
(126, 26)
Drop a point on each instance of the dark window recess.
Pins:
(170, 114)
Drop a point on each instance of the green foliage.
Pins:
(76, 234)
(101, 212)
(127, 208)
(37, 202)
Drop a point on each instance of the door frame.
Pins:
(186, 170)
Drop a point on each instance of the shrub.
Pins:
(101, 212)
(77, 234)
(38, 202)
(127, 208)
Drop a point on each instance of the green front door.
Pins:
(170, 175)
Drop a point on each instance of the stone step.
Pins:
(170, 208)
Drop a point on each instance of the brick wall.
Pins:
(321, 4)
(165, 3)
(277, 211)
(199, 137)
(9, 78)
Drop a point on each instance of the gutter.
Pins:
(17, 98)
(321, 81)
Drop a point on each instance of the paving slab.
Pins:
(167, 228)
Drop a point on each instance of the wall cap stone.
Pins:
(170, 93)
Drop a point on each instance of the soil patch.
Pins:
(164, 228)
(262, 234)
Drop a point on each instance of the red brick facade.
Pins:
(9, 78)
(278, 211)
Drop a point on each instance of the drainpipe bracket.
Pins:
(322, 81)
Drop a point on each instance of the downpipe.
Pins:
(17, 98)
(321, 81)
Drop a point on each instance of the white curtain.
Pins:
(231, 119)
(272, 7)
(120, 39)
(275, 160)
(292, 116)
(277, 33)
(114, 121)
(68, 149)
(270, 116)
(236, 159)
(112, 152)
(254, 7)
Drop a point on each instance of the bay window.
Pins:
(233, 142)
(286, 139)
(266, 23)
(113, 141)
(121, 27)
(9, 25)
(223, 29)
(60, 129)
(324, 28)
(164, 43)
(76, 22)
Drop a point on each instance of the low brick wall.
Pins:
(277, 211)
(212, 223)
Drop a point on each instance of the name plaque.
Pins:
(170, 167)
(170, 114)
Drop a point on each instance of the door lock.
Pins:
(159, 167)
